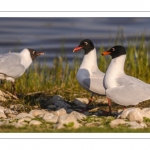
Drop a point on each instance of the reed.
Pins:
(60, 79)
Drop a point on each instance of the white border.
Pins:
(77, 5)
(74, 136)
(73, 14)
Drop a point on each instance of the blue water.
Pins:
(53, 35)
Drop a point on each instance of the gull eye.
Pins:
(86, 43)
(113, 49)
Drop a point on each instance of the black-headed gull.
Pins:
(121, 88)
(89, 76)
(13, 65)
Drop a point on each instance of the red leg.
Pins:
(109, 104)
(91, 98)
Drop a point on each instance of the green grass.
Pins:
(61, 80)
(47, 129)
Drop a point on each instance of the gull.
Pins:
(14, 65)
(121, 88)
(89, 76)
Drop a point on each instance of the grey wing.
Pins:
(10, 65)
(95, 85)
(129, 94)
(130, 80)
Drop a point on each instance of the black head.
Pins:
(86, 44)
(34, 53)
(115, 51)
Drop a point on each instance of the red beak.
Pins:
(106, 53)
(77, 48)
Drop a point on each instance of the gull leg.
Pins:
(109, 105)
(13, 88)
(91, 98)
(105, 113)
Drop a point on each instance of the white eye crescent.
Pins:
(113, 49)
(86, 43)
(33, 52)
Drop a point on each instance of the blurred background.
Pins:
(56, 36)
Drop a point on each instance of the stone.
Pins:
(146, 112)
(24, 115)
(60, 112)
(125, 113)
(62, 104)
(2, 108)
(58, 101)
(67, 120)
(19, 125)
(135, 125)
(56, 98)
(101, 101)
(3, 96)
(136, 115)
(49, 117)
(86, 113)
(53, 119)
(69, 110)
(27, 119)
(146, 109)
(2, 115)
(78, 115)
(81, 102)
(11, 115)
(37, 112)
(17, 107)
(51, 107)
(35, 122)
(116, 122)
(9, 111)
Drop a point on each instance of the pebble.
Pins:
(78, 115)
(116, 122)
(101, 101)
(125, 113)
(2, 115)
(146, 112)
(23, 115)
(67, 119)
(1, 108)
(71, 115)
(50, 117)
(136, 115)
(27, 119)
(35, 122)
(81, 102)
(135, 125)
(37, 112)
(58, 101)
(17, 107)
(60, 112)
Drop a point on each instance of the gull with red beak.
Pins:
(89, 76)
(121, 88)
(14, 65)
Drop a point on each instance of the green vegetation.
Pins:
(60, 79)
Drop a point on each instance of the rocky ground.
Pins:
(57, 113)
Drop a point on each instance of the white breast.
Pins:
(26, 59)
(114, 71)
